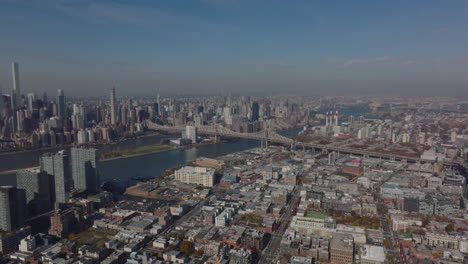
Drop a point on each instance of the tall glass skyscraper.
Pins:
(113, 107)
(62, 107)
(16, 85)
(255, 111)
(84, 171)
(12, 205)
(37, 187)
(58, 166)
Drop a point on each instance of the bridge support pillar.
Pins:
(331, 158)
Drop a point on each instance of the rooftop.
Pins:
(373, 253)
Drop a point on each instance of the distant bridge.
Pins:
(269, 135)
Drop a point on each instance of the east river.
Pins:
(149, 165)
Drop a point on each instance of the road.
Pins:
(272, 251)
(385, 225)
(195, 210)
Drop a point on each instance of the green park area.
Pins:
(134, 151)
(317, 215)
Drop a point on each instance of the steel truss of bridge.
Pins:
(271, 136)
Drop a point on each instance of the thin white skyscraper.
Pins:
(113, 107)
(16, 85)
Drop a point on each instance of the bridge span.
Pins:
(271, 136)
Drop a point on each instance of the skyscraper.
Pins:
(84, 172)
(113, 106)
(255, 111)
(36, 184)
(16, 83)
(191, 133)
(2, 103)
(57, 165)
(31, 101)
(78, 117)
(12, 203)
(62, 108)
(158, 102)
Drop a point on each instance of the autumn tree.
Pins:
(186, 247)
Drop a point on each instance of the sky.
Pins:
(257, 47)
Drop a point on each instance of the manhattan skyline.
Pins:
(221, 46)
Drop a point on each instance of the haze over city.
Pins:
(233, 132)
(238, 46)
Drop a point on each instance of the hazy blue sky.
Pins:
(212, 46)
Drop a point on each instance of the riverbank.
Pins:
(67, 146)
(139, 151)
(144, 166)
(150, 149)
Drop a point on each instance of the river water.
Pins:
(149, 165)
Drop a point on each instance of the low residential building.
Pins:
(313, 223)
(443, 240)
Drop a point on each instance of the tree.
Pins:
(159, 255)
(186, 247)
(450, 228)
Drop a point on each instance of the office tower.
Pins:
(36, 184)
(78, 119)
(45, 99)
(62, 108)
(84, 172)
(158, 102)
(255, 111)
(191, 133)
(57, 165)
(16, 84)
(2, 103)
(14, 106)
(31, 101)
(227, 115)
(124, 115)
(12, 201)
(156, 109)
(20, 120)
(113, 107)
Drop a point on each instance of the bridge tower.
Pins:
(293, 146)
(267, 135)
(217, 137)
(264, 140)
(331, 158)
